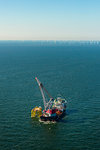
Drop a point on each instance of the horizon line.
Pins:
(49, 40)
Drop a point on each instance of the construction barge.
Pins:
(54, 109)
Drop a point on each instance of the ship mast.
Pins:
(42, 92)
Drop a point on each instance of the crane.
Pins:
(42, 89)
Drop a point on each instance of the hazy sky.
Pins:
(49, 19)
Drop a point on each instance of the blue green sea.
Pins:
(68, 68)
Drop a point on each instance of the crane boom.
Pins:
(43, 95)
(41, 86)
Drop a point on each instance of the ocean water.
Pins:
(71, 69)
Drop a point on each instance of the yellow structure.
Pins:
(36, 112)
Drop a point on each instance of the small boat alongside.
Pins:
(54, 109)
